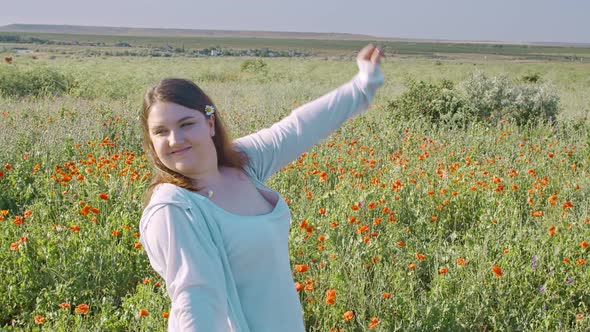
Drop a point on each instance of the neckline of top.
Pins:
(219, 208)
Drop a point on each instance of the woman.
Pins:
(212, 229)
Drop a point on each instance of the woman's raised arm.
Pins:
(272, 148)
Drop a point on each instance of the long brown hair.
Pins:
(188, 94)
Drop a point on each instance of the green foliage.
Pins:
(476, 181)
(435, 102)
(496, 98)
(37, 81)
(64, 252)
(257, 66)
(479, 98)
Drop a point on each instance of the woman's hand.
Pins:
(370, 53)
(369, 63)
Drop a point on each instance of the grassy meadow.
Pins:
(396, 224)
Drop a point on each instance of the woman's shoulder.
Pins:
(248, 148)
(166, 195)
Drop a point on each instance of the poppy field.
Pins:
(396, 224)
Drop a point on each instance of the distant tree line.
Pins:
(164, 51)
(207, 52)
(36, 40)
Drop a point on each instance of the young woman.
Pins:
(214, 232)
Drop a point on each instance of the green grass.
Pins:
(414, 169)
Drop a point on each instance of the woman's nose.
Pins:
(175, 137)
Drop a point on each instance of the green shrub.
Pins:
(480, 98)
(498, 98)
(254, 66)
(487, 96)
(436, 102)
(38, 81)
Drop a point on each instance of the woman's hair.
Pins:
(188, 94)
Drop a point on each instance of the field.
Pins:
(396, 224)
(95, 40)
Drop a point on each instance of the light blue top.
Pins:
(228, 272)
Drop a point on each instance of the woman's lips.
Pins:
(177, 152)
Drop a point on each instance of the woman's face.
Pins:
(182, 138)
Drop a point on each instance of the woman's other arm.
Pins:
(181, 251)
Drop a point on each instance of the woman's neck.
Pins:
(210, 178)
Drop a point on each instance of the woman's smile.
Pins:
(180, 151)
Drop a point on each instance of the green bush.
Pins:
(497, 98)
(38, 81)
(254, 66)
(479, 98)
(435, 102)
(487, 96)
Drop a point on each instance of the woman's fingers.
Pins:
(366, 52)
(370, 53)
(377, 55)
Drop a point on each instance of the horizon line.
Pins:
(348, 34)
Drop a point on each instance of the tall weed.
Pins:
(36, 81)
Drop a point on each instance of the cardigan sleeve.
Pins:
(181, 250)
(270, 149)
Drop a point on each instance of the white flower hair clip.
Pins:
(209, 110)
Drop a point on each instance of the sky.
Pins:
(492, 20)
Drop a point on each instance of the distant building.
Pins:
(22, 50)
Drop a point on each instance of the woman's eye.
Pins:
(159, 132)
(187, 124)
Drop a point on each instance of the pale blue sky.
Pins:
(498, 20)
